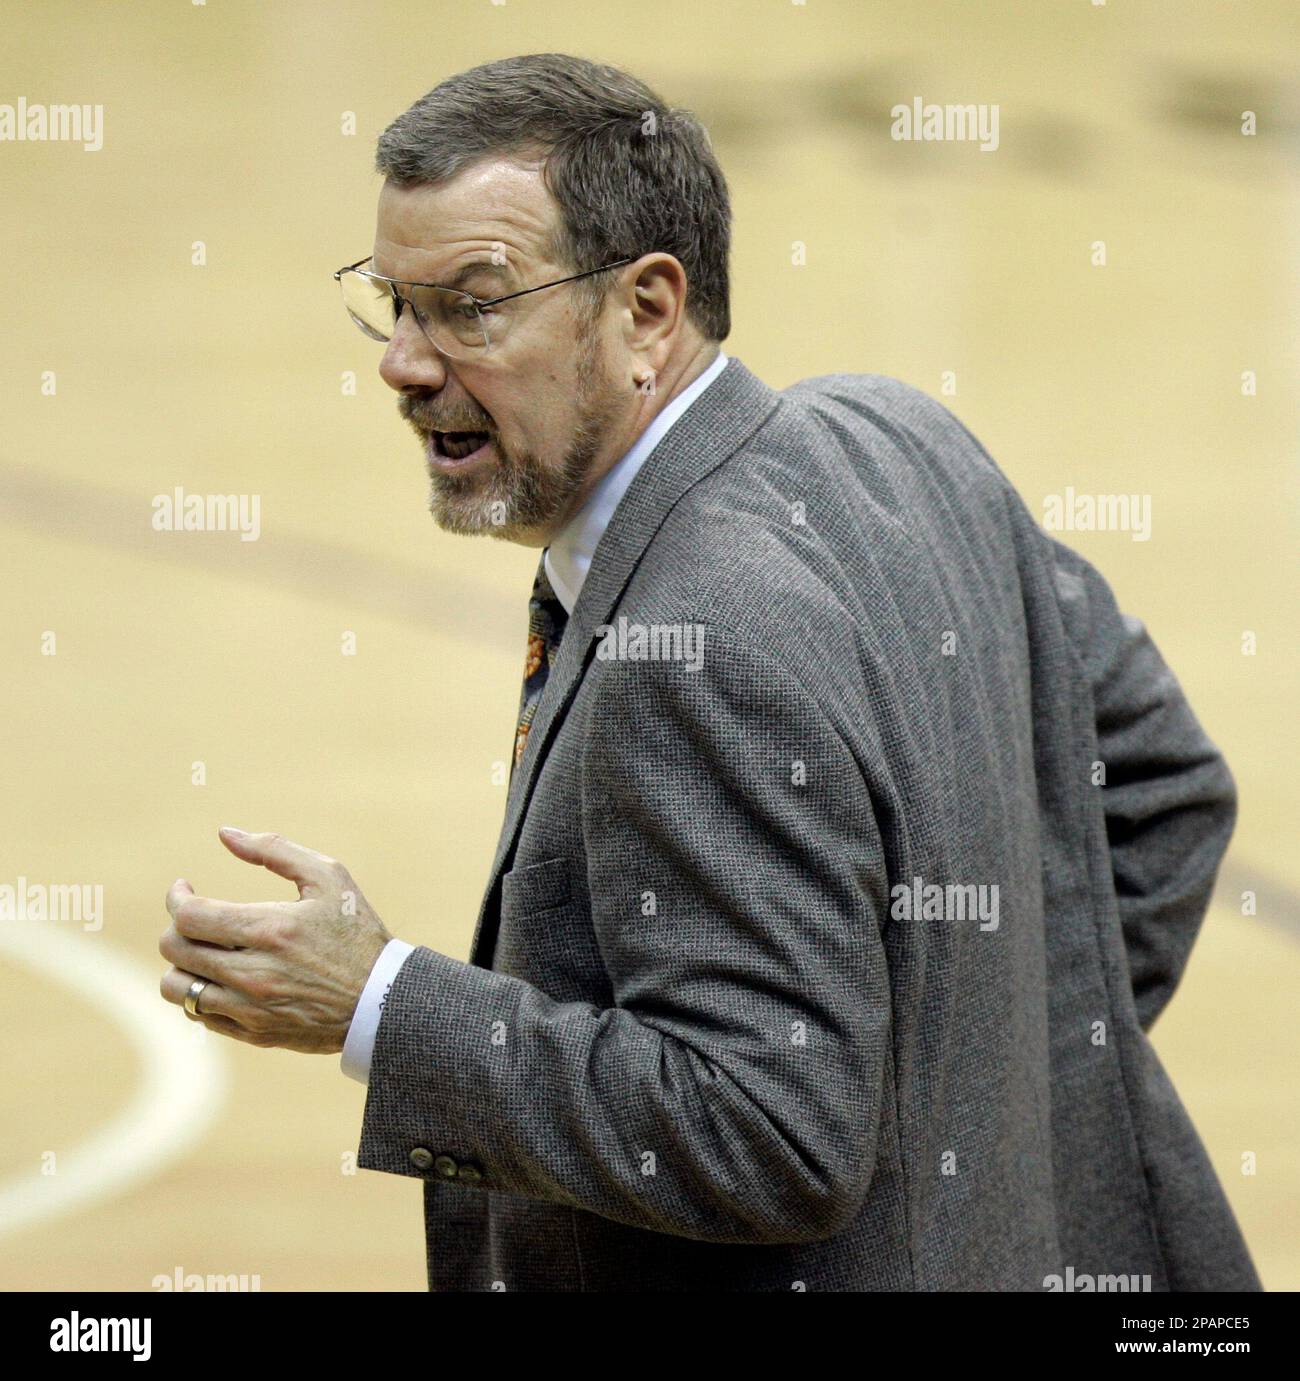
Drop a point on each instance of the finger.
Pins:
(223, 1026)
(310, 870)
(201, 960)
(233, 924)
(216, 1001)
(176, 893)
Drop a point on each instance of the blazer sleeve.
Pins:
(1169, 798)
(732, 1091)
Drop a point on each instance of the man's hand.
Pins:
(284, 973)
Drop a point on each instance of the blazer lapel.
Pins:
(713, 428)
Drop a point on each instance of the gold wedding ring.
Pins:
(192, 997)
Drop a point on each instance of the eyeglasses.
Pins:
(457, 324)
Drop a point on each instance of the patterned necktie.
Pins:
(546, 620)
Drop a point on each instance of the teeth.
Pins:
(457, 445)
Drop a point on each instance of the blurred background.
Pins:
(170, 321)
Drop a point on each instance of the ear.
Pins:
(656, 307)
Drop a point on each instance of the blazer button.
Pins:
(446, 1167)
(421, 1157)
(469, 1174)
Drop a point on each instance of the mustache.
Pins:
(424, 419)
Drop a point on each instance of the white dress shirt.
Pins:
(568, 559)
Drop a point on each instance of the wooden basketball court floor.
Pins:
(134, 1146)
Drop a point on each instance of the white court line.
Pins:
(183, 1077)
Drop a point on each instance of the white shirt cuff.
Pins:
(360, 1042)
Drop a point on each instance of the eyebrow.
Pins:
(465, 274)
(472, 271)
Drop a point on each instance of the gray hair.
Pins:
(629, 174)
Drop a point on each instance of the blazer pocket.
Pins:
(537, 887)
(545, 936)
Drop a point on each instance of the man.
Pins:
(854, 841)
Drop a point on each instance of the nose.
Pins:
(410, 362)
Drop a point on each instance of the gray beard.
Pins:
(521, 492)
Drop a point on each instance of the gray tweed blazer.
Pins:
(858, 842)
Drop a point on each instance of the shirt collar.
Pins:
(568, 558)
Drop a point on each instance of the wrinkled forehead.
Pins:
(491, 224)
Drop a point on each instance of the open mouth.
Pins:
(459, 445)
